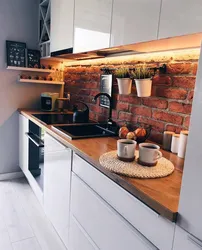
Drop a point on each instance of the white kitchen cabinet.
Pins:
(23, 143)
(78, 238)
(134, 21)
(57, 177)
(180, 17)
(62, 18)
(107, 229)
(92, 25)
(159, 230)
(185, 241)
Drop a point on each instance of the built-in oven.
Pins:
(36, 153)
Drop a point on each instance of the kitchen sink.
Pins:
(50, 119)
(83, 131)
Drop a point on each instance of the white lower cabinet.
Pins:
(154, 227)
(57, 182)
(185, 241)
(23, 143)
(107, 229)
(78, 238)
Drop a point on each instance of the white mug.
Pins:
(149, 154)
(126, 149)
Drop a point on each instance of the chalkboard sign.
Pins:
(33, 58)
(16, 54)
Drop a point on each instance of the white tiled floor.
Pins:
(23, 224)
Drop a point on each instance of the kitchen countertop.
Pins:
(161, 194)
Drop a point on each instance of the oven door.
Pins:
(36, 152)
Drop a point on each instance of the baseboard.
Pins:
(11, 176)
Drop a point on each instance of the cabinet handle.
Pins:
(34, 139)
(195, 241)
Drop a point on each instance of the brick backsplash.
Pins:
(168, 108)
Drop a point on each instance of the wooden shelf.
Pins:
(41, 81)
(30, 69)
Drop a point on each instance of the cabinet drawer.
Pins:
(185, 241)
(51, 144)
(102, 223)
(78, 238)
(154, 227)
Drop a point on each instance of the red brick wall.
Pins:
(168, 108)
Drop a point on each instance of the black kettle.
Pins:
(80, 116)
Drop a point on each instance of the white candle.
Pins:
(183, 143)
(175, 143)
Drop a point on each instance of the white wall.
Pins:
(18, 22)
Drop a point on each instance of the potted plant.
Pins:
(143, 81)
(124, 81)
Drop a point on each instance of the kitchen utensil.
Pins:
(183, 143)
(149, 154)
(126, 150)
(167, 140)
(175, 143)
(80, 116)
(48, 101)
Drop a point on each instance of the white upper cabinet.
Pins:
(134, 21)
(92, 24)
(62, 18)
(180, 17)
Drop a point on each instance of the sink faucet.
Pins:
(109, 120)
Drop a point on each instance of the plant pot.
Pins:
(143, 87)
(125, 85)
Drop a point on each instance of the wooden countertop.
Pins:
(162, 194)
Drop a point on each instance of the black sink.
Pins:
(56, 118)
(83, 131)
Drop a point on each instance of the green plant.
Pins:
(122, 73)
(141, 72)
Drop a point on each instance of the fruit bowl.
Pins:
(138, 132)
(147, 128)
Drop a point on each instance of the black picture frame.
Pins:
(16, 53)
(33, 58)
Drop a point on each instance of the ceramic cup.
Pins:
(149, 154)
(126, 150)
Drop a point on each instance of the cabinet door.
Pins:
(185, 241)
(62, 17)
(134, 21)
(190, 205)
(92, 24)
(23, 143)
(125, 204)
(180, 17)
(57, 175)
(78, 238)
(101, 222)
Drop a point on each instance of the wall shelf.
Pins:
(44, 27)
(40, 81)
(31, 69)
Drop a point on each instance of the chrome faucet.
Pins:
(109, 120)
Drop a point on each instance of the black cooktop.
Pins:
(50, 119)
